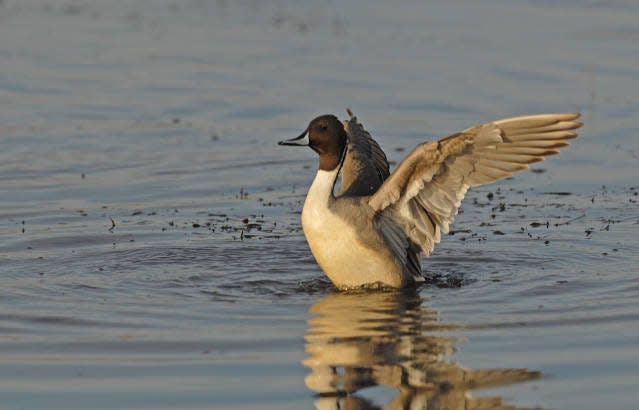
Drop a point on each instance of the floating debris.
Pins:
(538, 224)
(557, 193)
(454, 231)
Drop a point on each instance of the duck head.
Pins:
(326, 136)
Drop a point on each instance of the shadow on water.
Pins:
(390, 339)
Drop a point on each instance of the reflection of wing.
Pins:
(360, 340)
(365, 166)
(425, 192)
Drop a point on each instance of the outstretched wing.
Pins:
(425, 192)
(365, 166)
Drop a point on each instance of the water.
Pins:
(151, 254)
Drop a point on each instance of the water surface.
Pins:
(151, 254)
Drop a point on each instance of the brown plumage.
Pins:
(425, 192)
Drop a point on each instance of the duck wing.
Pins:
(425, 191)
(365, 166)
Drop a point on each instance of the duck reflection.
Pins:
(358, 340)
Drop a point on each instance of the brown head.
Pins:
(326, 136)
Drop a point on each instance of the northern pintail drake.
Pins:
(373, 231)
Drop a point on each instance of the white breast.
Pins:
(335, 242)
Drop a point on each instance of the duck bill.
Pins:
(302, 140)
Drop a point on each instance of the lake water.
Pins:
(151, 254)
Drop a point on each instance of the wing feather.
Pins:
(395, 237)
(535, 121)
(540, 135)
(424, 193)
(365, 165)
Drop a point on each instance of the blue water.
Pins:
(151, 253)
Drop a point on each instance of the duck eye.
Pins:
(323, 127)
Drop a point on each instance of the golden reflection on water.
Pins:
(359, 340)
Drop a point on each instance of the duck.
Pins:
(373, 227)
